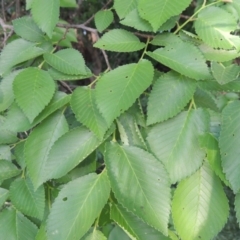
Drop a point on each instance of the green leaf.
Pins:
(174, 56)
(46, 14)
(224, 74)
(8, 170)
(149, 197)
(4, 195)
(175, 143)
(230, 132)
(103, 19)
(19, 154)
(59, 100)
(26, 28)
(119, 40)
(33, 89)
(14, 226)
(7, 136)
(68, 61)
(95, 235)
(134, 20)
(69, 150)
(41, 234)
(157, 12)
(5, 152)
(200, 204)
(170, 94)
(133, 225)
(90, 192)
(16, 52)
(123, 7)
(164, 39)
(83, 104)
(68, 3)
(117, 90)
(29, 4)
(215, 31)
(39, 144)
(26, 200)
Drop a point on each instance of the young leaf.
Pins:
(85, 193)
(68, 61)
(83, 104)
(119, 40)
(26, 28)
(117, 90)
(230, 151)
(174, 56)
(14, 225)
(33, 89)
(196, 204)
(123, 7)
(46, 14)
(149, 196)
(133, 225)
(224, 74)
(68, 151)
(4, 195)
(8, 170)
(26, 200)
(170, 94)
(39, 144)
(157, 12)
(103, 19)
(16, 52)
(215, 31)
(175, 143)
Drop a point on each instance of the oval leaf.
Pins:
(103, 19)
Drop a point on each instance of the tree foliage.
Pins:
(143, 148)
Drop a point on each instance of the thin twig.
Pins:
(3, 11)
(65, 85)
(6, 33)
(144, 35)
(17, 8)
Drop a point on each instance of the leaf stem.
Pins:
(145, 49)
(192, 105)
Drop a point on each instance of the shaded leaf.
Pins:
(5, 152)
(8, 170)
(4, 195)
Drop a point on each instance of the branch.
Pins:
(6, 33)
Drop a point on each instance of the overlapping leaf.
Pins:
(215, 31)
(175, 143)
(4, 194)
(68, 61)
(39, 144)
(174, 56)
(26, 199)
(123, 7)
(200, 203)
(16, 52)
(83, 103)
(33, 89)
(230, 132)
(46, 14)
(164, 39)
(88, 194)
(103, 19)
(8, 170)
(94, 235)
(26, 28)
(157, 12)
(5, 152)
(117, 90)
(170, 94)
(119, 40)
(149, 196)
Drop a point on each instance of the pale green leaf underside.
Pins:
(88, 195)
(196, 204)
(16, 52)
(26, 28)
(103, 19)
(68, 151)
(228, 143)
(14, 225)
(174, 56)
(117, 90)
(170, 94)
(119, 40)
(175, 143)
(157, 12)
(33, 89)
(149, 197)
(8, 170)
(46, 14)
(123, 7)
(39, 144)
(83, 104)
(224, 74)
(26, 199)
(215, 31)
(68, 61)
(133, 225)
